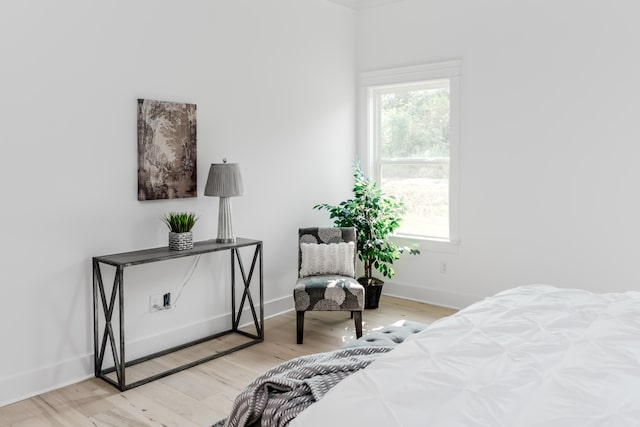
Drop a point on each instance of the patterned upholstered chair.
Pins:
(326, 274)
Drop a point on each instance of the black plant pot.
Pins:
(372, 292)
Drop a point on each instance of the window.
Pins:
(411, 144)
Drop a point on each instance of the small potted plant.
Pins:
(180, 225)
(375, 216)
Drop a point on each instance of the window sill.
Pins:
(430, 244)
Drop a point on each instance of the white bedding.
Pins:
(530, 356)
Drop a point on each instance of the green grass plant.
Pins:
(180, 222)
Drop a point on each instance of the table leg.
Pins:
(246, 294)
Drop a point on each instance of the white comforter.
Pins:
(530, 356)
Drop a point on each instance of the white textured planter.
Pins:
(180, 241)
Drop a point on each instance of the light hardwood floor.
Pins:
(202, 395)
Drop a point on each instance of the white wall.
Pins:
(273, 83)
(549, 137)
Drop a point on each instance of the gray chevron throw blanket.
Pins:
(276, 397)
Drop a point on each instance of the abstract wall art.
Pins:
(166, 150)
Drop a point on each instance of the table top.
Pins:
(144, 256)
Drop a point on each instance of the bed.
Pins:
(529, 356)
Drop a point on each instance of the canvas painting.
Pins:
(166, 150)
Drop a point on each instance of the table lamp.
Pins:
(224, 181)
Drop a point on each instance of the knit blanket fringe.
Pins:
(280, 394)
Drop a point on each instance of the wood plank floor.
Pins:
(202, 395)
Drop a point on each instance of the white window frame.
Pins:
(367, 148)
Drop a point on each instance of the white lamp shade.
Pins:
(224, 180)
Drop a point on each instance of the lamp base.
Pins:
(232, 240)
(225, 229)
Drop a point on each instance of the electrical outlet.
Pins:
(155, 303)
(160, 302)
(443, 267)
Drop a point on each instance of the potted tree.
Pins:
(180, 225)
(375, 216)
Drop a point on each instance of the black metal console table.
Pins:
(126, 259)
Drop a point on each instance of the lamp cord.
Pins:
(186, 279)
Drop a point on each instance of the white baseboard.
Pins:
(24, 385)
(429, 295)
(31, 383)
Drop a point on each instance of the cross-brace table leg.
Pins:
(246, 294)
(108, 334)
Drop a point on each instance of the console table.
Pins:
(106, 304)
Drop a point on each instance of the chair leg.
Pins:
(357, 316)
(300, 325)
(352, 314)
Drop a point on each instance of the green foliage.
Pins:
(375, 216)
(415, 123)
(180, 222)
